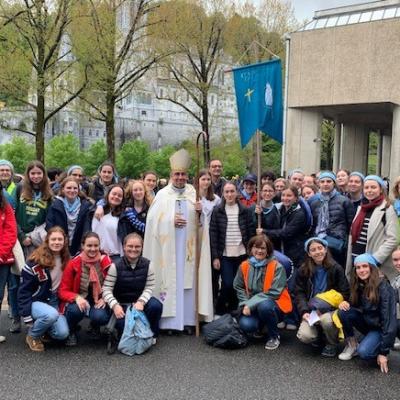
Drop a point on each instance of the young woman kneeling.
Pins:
(260, 285)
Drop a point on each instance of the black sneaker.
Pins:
(72, 340)
(15, 325)
(94, 332)
(329, 350)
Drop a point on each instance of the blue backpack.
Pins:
(286, 262)
(307, 210)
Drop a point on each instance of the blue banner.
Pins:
(259, 99)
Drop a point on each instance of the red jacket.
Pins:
(8, 234)
(71, 279)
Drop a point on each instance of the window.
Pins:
(377, 14)
(331, 22)
(320, 23)
(390, 13)
(342, 20)
(354, 18)
(366, 16)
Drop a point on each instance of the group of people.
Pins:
(313, 253)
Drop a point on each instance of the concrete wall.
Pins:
(345, 65)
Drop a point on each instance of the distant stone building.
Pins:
(344, 66)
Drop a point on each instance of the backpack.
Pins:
(137, 336)
(225, 333)
(307, 211)
(286, 262)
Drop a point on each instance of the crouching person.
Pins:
(81, 289)
(260, 285)
(131, 281)
(319, 283)
(37, 295)
(372, 311)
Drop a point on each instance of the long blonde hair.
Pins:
(130, 201)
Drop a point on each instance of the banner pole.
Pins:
(258, 138)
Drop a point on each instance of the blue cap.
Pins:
(376, 178)
(366, 258)
(6, 162)
(250, 178)
(327, 175)
(359, 174)
(315, 239)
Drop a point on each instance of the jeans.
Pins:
(227, 300)
(5, 272)
(97, 316)
(13, 284)
(48, 319)
(152, 309)
(266, 313)
(369, 347)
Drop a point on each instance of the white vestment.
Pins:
(172, 253)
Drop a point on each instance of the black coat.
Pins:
(56, 216)
(268, 221)
(291, 233)
(218, 226)
(336, 280)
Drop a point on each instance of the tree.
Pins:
(62, 151)
(327, 144)
(110, 38)
(133, 158)
(95, 155)
(160, 160)
(35, 32)
(19, 152)
(193, 37)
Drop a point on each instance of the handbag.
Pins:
(19, 258)
(137, 336)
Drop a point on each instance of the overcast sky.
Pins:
(304, 9)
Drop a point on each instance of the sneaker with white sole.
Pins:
(396, 345)
(348, 353)
(273, 343)
(291, 327)
(281, 325)
(2, 339)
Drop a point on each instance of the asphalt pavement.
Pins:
(184, 367)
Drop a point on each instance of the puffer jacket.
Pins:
(336, 280)
(291, 234)
(341, 214)
(8, 234)
(219, 224)
(381, 316)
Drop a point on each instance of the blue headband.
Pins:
(294, 171)
(327, 175)
(315, 239)
(376, 178)
(366, 258)
(6, 162)
(70, 169)
(359, 174)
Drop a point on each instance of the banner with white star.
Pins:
(259, 99)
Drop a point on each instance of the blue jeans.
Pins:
(153, 310)
(266, 313)
(48, 319)
(369, 347)
(97, 316)
(227, 300)
(5, 272)
(13, 284)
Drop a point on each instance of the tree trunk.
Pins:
(40, 124)
(110, 128)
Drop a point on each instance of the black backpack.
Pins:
(225, 333)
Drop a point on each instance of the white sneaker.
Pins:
(396, 345)
(348, 353)
(281, 325)
(154, 341)
(2, 339)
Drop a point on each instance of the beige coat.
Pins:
(381, 239)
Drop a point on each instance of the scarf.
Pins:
(267, 208)
(257, 263)
(245, 194)
(396, 206)
(357, 224)
(323, 216)
(71, 208)
(91, 275)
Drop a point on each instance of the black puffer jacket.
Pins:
(336, 280)
(341, 214)
(291, 234)
(218, 226)
(381, 316)
(271, 220)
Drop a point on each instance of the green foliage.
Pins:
(19, 152)
(160, 160)
(327, 144)
(62, 151)
(133, 158)
(271, 155)
(372, 152)
(95, 155)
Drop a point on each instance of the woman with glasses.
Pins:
(260, 285)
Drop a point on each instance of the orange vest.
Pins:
(284, 301)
